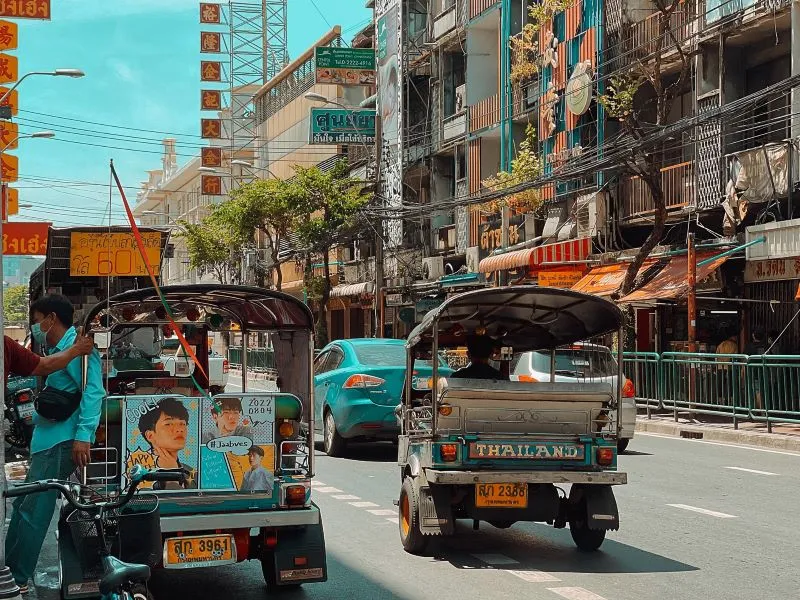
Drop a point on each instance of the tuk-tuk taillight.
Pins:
(445, 410)
(605, 456)
(628, 391)
(295, 495)
(286, 429)
(226, 366)
(449, 452)
(527, 379)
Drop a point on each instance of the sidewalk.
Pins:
(784, 436)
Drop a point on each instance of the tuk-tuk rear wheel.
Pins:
(585, 538)
(410, 535)
(271, 576)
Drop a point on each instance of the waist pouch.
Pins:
(57, 405)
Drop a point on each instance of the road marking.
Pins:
(394, 520)
(363, 504)
(703, 511)
(533, 576)
(756, 471)
(725, 444)
(346, 497)
(575, 593)
(316, 484)
(382, 512)
(329, 490)
(496, 559)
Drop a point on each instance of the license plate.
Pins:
(200, 551)
(25, 411)
(501, 495)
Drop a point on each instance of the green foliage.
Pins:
(527, 166)
(212, 249)
(525, 46)
(15, 305)
(622, 90)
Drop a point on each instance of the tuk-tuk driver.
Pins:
(479, 351)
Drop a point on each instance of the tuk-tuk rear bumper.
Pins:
(469, 477)
(243, 520)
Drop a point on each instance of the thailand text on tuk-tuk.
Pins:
(495, 450)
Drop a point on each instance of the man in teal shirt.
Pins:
(57, 448)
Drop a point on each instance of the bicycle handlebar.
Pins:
(137, 476)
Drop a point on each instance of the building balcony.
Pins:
(444, 239)
(476, 7)
(484, 114)
(641, 43)
(677, 182)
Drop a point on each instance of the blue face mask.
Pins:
(39, 336)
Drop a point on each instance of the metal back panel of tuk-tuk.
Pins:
(222, 476)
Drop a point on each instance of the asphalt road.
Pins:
(698, 521)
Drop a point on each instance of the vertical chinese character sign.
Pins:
(211, 74)
(9, 132)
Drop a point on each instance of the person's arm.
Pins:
(89, 410)
(50, 364)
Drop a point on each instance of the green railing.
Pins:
(258, 359)
(752, 388)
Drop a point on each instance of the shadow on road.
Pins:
(551, 550)
(636, 453)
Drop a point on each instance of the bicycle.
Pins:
(92, 521)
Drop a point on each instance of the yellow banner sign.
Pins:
(112, 254)
(563, 278)
(9, 168)
(8, 135)
(9, 35)
(12, 100)
(9, 68)
(10, 202)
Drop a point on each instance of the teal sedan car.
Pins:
(357, 385)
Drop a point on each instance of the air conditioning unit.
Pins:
(461, 98)
(473, 259)
(592, 214)
(432, 268)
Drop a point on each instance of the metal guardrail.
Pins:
(762, 389)
(258, 359)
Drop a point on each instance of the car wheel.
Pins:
(622, 445)
(333, 442)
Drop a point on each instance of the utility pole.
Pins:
(691, 261)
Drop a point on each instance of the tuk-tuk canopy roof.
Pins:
(522, 317)
(251, 308)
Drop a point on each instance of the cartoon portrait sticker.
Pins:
(237, 449)
(162, 433)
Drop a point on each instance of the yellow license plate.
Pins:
(501, 495)
(200, 551)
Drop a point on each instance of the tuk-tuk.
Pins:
(247, 494)
(496, 450)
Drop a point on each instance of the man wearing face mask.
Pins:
(62, 436)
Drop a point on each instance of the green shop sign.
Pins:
(340, 126)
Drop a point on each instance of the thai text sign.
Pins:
(112, 254)
(340, 126)
(777, 269)
(21, 239)
(345, 66)
(25, 9)
(526, 451)
(563, 278)
(492, 239)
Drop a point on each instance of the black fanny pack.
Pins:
(57, 405)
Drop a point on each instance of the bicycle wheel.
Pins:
(139, 592)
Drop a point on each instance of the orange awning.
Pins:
(509, 260)
(605, 280)
(672, 282)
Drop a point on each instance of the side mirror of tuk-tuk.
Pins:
(102, 339)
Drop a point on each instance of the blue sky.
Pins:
(142, 63)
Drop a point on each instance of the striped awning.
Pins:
(354, 289)
(560, 252)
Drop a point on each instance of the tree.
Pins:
(15, 305)
(332, 204)
(212, 249)
(527, 166)
(272, 207)
(648, 77)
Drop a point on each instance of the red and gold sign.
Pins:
(9, 132)
(210, 14)
(211, 185)
(210, 70)
(9, 168)
(10, 202)
(21, 239)
(211, 157)
(560, 277)
(25, 9)
(211, 128)
(9, 68)
(9, 35)
(210, 42)
(210, 100)
(12, 100)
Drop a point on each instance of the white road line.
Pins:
(575, 593)
(533, 576)
(382, 512)
(495, 559)
(363, 504)
(756, 471)
(725, 444)
(703, 511)
(346, 497)
(394, 520)
(329, 490)
(315, 484)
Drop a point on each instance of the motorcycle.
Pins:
(18, 414)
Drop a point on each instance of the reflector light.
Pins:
(605, 456)
(445, 410)
(449, 452)
(628, 391)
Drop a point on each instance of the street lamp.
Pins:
(247, 165)
(74, 73)
(8, 587)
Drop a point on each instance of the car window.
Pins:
(578, 362)
(334, 360)
(319, 362)
(388, 355)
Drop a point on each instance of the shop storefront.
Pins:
(561, 264)
(350, 311)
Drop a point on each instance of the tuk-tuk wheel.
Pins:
(586, 539)
(271, 576)
(410, 535)
(622, 445)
